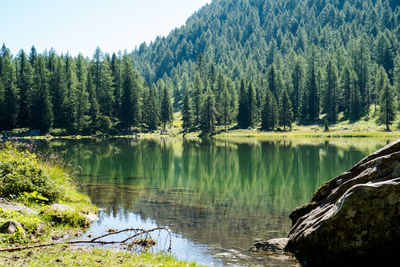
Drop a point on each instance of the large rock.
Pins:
(10, 227)
(5, 205)
(354, 218)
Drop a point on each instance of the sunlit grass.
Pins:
(85, 256)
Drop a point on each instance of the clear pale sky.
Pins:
(82, 25)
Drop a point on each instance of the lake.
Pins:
(216, 196)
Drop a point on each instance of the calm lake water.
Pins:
(217, 197)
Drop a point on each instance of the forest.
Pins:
(235, 64)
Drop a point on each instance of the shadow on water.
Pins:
(217, 197)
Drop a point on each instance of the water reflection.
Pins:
(217, 196)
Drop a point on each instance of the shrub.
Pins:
(66, 217)
(22, 172)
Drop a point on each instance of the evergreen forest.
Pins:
(235, 64)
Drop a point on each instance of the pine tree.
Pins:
(8, 79)
(117, 85)
(285, 110)
(346, 90)
(226, 108)
(243, 116)
(297, 84)
(252, 106)
(386, 101)
(105, 96)
(166, 109)
(71, 101)
(197, 97)
(32, 55)
(208, 113)
(82, 110)
(128, 83)
(24, 83)
(58, 91)
(269, 113)
(152, 114)
(136, 98)
(41, 107)
(94, 110)
(187, 115)
(273, 81)
(331, 107)
(312, 87)
(355, 98)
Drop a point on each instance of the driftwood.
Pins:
(134, 238)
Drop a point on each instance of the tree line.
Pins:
(81, 95)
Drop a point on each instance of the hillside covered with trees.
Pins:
(251, 63)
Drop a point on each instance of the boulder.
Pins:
(4, 204)
(352, 219)
(9, 227)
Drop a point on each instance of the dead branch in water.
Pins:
(137, 233)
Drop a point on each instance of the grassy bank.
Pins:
(28, 189)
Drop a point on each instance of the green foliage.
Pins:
(166, 108)
(104, 124)
(66, 217)
(269, 113)
(285, 110)
(187, 115)
(208, 113)
(22, 172)
(387, 104)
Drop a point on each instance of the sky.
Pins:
(81, 25)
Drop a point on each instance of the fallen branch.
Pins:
(98, 240)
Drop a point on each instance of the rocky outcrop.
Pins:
(354, 218)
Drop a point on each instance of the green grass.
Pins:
(85, 256)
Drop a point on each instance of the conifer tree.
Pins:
(273, 81)
(117, 85)
(8, 78)
(41, 107)
(285, 110)
(312, 86)
(387, 102)
(82, 110)
(71, 102)
(137, 98)
(58, 91)
(197, 97)
(152, 114)
(297, 84)
(331, 92)
(187, 115)
(251, 105)
(32, 55)
(94, 110)
(128, 83)
(225, 107)
(208, 113)
(345, 90)
(243, 116)
(355, 98)
(105, 96)
(24, 84)
(269, 113)
(166, 108)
